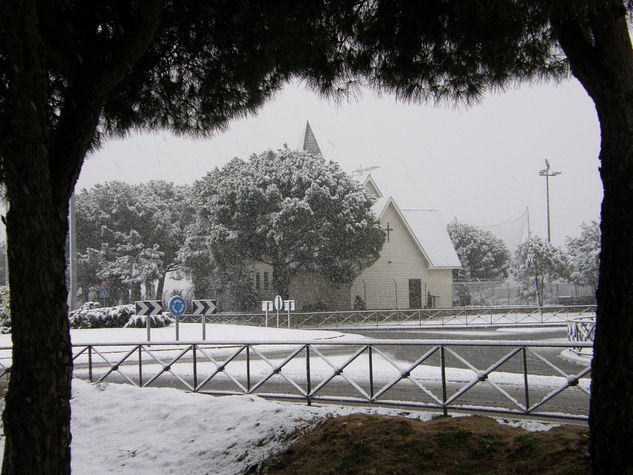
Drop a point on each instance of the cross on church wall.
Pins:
(388, 229)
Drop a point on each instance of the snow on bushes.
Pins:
(91, 315)
(5, 310)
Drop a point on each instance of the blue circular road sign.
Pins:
(177, 306)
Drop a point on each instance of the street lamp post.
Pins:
(546, 172)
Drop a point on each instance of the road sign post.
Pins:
(177, 307)
(289, 305)
(267, 306)
(148, 308)
(279, 304)
(204, 308)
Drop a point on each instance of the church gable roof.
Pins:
(427, 230)
(371, 187)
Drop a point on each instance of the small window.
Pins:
(265, 280)
(257, 279)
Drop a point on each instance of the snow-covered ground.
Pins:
(125, 429)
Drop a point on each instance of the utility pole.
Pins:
(547, 172)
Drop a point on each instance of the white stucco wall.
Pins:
(385, 284)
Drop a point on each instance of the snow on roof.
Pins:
(371, 186)
(430, 231)
(380, 205)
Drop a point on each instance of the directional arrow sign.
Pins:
(148, 307)
(204, 307)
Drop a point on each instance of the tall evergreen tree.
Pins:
(443, 49)
(292, 210)
(584, 255)
(483, 255)
(125, 230)
(73, 73)
(536, 262)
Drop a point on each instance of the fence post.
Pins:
(525, 381)
(195, 367)
(248, 368)
(308, 381)
(371, 373)
(140, 366)
(443, 369)
(90, 363)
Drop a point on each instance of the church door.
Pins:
(415, 293)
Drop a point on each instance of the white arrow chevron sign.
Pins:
(204, 307)
(148, 307)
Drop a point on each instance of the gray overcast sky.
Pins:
(479, 163)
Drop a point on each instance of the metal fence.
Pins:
(427, 318)
(514, 377)
(582, 329)
(508, 292)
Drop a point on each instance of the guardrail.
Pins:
(458, 316)
(582, 329)
(514, 377)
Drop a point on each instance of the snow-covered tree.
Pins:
(231, 284)
(130, 235)
(535, 262)
(483, 255)
(292, 210)
(584, 255)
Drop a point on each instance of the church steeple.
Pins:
(309, 143)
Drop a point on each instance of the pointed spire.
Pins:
(309, 142)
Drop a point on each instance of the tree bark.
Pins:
(41, 160)
(604, 65)
(281, 278)
(37, 411)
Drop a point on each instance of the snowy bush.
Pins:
(140, 321)
(91, 315)
(5, 310)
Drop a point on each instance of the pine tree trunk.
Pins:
(281, 279)
(611, 412)
(604, 66)
(161, 287)
(36, 417)
(135, 292)
(39, 388)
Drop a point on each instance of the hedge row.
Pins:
(91, 315)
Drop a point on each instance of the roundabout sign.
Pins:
(177, 306)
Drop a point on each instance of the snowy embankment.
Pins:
(124, 429)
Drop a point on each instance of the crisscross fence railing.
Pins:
(582, 329)
(423, 318)
(513, 377)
